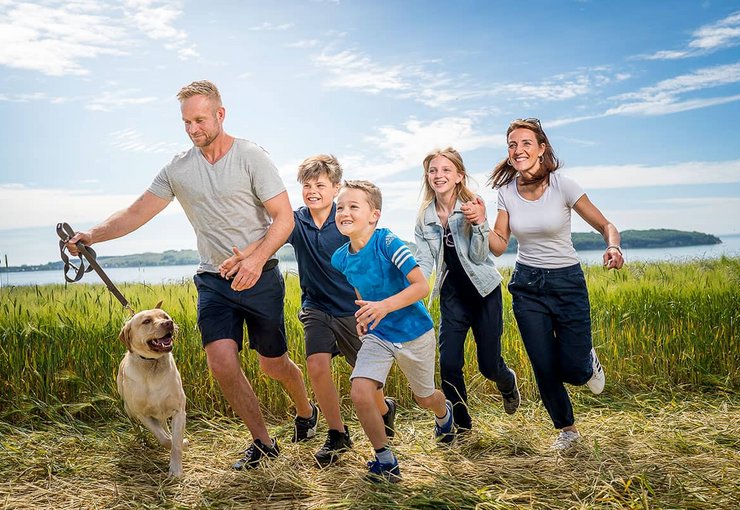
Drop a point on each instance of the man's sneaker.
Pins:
(336, 443)
(256, 452)
(566, 439)
(379, 472)
(598, 379)
(513, 398)
(389, 418)
(305, 428)
(445, 433)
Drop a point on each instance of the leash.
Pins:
(65, 233)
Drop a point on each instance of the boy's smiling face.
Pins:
(355, 215)
(319, 193)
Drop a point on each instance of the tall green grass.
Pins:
(655, 325)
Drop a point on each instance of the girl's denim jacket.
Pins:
(471, 245)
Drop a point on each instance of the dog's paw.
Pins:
(185, 443)
(175, 472)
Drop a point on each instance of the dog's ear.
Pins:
(125, 335)
(159, 305)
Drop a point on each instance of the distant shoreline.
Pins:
(631, 239)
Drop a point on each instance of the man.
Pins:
(232, 194)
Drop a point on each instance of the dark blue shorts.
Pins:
(222, 312)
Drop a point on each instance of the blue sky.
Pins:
(640, 99)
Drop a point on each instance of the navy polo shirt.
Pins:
(322, 286)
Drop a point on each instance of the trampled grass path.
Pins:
(648, 450)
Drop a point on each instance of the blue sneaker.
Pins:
(445, 433)
(380, 472)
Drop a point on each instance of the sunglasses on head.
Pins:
(530, 120)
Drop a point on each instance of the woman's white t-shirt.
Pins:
(542, 227)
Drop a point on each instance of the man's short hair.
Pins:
(374, 196)
(313, 167)
(200, 88)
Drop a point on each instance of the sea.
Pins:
(730, 247)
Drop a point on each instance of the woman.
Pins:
(550, 298)
(467, 282)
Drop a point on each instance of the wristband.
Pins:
(616, 247)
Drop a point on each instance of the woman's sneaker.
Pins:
(255, 453)
(598, 379)
(566, 439)
(380, 472)
(389, 418)
(445, 433)
(305, 428)
(336, 444)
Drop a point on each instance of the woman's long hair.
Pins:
(503, 173)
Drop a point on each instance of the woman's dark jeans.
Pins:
(462, 309)
(553, 314)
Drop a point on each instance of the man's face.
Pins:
(203, 120)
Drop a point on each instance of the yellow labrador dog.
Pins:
(149, 382)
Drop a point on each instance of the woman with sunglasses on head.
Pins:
(548, 289)
(467, 282)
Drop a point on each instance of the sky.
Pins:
(640, 100)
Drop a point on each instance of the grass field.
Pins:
(664, 434)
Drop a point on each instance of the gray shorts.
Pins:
(326, 333)
(415, 358)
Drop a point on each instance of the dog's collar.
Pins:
(147, 359)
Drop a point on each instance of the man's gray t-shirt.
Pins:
(223, 201)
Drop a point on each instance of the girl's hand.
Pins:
(474, 211)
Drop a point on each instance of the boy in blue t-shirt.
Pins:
(392, 319)
(327, 303)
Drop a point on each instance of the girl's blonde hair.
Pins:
(462, 191)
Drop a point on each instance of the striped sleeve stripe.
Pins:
(401, 256)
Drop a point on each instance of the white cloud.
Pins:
(665, 96)
(706, 39)
(303, 43)
(109, 101)
(57, 37)
(354, 71)
(27, 207)
(129, 140)
(54, 39)
(640, 176)
(271, 27)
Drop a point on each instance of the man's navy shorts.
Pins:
(222, 312)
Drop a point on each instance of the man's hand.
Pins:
(228, 266)
(370, 313)
(86, 239)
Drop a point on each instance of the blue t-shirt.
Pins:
(322, 286)
(379, 271)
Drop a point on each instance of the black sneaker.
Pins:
(336, 443)
(256, 452)
(389, 418)
(512, 399)
(305, 428)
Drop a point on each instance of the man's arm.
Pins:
(120, 223)
(250, 268)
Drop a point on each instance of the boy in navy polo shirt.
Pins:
(394, 322)
(327, 301)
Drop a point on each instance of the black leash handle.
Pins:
(65, 233)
